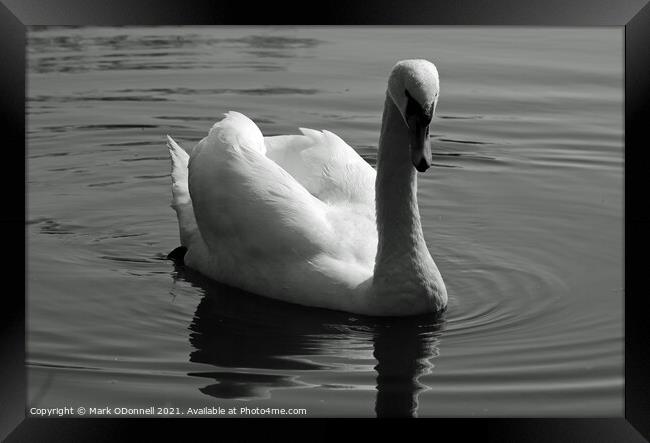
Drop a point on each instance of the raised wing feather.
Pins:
(325, 165)
(247, 204)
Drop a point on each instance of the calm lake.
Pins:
(522, 212)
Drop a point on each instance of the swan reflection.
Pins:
(257, 345)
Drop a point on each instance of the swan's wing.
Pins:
(325, 165)
(246, 203)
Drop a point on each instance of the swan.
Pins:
(304, 219)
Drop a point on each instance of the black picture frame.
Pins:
(633, 15)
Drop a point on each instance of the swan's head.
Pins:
(413, 86)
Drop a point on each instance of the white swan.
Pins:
(293, 217)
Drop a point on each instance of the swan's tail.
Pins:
(180, 159)
(181, 201)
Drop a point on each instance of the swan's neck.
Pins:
(403, 262)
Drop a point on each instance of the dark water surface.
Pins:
(523, 214)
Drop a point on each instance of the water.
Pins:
(523, 213)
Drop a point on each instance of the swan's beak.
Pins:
(419, 143)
